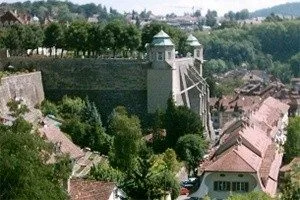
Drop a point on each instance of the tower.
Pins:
(161, 53)
(197, 49)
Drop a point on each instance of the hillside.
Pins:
(288, 9)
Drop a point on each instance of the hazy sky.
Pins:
(181, 6)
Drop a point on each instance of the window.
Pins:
(231, 186)
(198, 53)
(240, 186)
(159, 56)
(169, 55)
(222, 186)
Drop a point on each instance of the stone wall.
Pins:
(27, 87)
(107, 82)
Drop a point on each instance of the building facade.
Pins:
(248, 155)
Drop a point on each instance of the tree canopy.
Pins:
(24, 173)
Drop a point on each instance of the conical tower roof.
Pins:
(162, 39)
(192, 41)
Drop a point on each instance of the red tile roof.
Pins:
(249, 146)
(81, 189)
(236, 159)
(54, 135)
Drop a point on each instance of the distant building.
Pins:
(10, 18)
(249, 154)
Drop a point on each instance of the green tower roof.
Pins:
(192, 41)
(162, 39)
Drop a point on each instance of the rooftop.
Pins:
(81, 189)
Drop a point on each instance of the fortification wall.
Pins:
(107, 82)
(28, 87)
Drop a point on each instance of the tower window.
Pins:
(198, 53)
(159, 56)
(169, 55)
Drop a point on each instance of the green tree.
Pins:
(211, 18)
(23, 172)
(113, 35)
(126, 141)
(151, 179)
(71, 107)
(290, 185)
(132, 38)
(14, 38)
(33, 37)
(250, 196)
(180, 121)
(49, 108)
(191, 149)
(104, 172)
(295, 65)
(54, 36)
(77, 38)
(292, 144)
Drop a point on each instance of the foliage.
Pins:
(84, 125)
(16, 108)
(211, 18)
(292, 144)
(151, 178)
(71, 107)
(180, 121)
(23, 172)
(250, 196)
(295, 64)
(191, 149)
(49, 108)
(126, 141)
(54, 36)
(104, 172)
(290, 185)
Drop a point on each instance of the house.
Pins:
(82, 160)
(248, 155)
(80, 189)
(10, 18)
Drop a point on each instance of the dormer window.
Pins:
(159, 56)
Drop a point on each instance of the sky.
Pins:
(162, 7)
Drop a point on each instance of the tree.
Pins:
(54, 36)
(49, 108)
(14, 38)
(180, 121)
(132, 38)
(292, 144)
(33, 37)
(250, 196)
(126, 141)
(104, 172)
(84, 125)
(23, 172)
(191, 149)
(290, 185)
(77, 38)
(152, 177)
(211, 18)
(295, 65)
(113, 35)
(71, 107)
